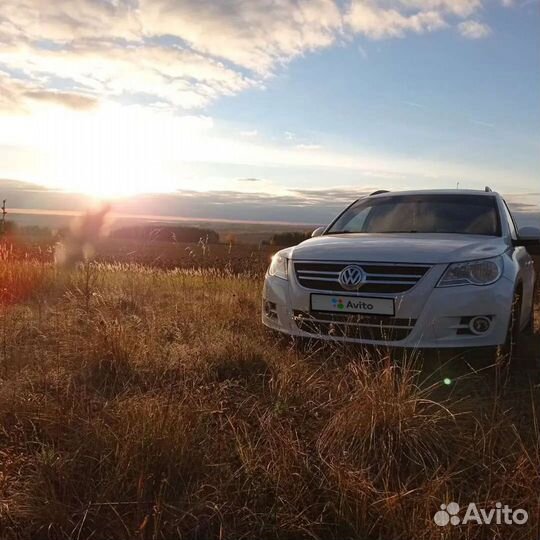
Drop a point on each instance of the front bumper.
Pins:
(425, 316)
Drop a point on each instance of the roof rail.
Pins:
(487, 189)
(379, 192)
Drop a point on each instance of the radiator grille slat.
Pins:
(380, 278)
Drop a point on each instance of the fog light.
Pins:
(270, 309)
(480, 325)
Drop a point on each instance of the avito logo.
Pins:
(338, 302)
(448, 515)
(351, 304)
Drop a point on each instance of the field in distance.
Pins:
(235, 246)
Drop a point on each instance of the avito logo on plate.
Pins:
(352, 304)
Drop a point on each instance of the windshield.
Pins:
(452, 214)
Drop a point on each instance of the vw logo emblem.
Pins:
(351, 277)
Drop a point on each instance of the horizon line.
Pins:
(155, 217)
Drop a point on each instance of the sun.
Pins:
(109, 153)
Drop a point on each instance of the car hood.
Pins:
(409, 248)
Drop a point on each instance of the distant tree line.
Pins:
(3, 218)
(166, 233)
(286, 239)
(151, 233)
(10, 228)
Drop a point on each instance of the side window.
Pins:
(510, 221)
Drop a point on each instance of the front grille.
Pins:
(368, 327)
(380, 278)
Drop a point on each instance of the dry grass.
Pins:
(234, 257)
(139, 403)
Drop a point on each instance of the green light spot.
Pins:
(447, 381)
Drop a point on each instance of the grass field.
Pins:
(240, 257)
(148, 403)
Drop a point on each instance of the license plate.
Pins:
(352, 304)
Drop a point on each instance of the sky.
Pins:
(279, 110)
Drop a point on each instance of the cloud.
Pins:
(298, 205)
(185, 54)
(72, 101)
(249, 133)
(377, 23)
(316, 206)
(308, 146)
(7, 184)
(460, 8)
(249, 180)
(474, 29)
(176, 77)
(257, 35)
(18, 95)
(483, 123)
(336, 196)
(182, 53)
(116, 147)
(10, 92)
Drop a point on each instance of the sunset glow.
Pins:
(113, 99)
(108, 152)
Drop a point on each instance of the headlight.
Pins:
(278, 266)
(483, 272)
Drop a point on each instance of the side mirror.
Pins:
(532, 245)
(317, 232)
(529, 238)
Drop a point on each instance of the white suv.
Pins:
(408, 269)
